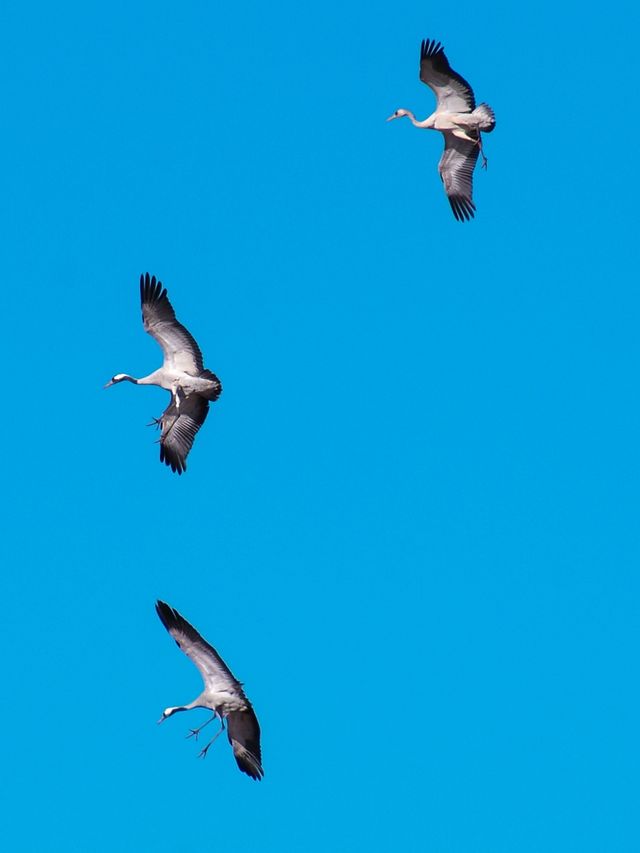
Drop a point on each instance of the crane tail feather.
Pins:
(486, 118)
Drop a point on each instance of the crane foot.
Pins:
(204, 751)
(195, 732)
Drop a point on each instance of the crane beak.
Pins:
(162, 719)
(110, 382)
(391, 117)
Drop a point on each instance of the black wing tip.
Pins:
(178, 464)
(168, 616)
(463, 208)
(248, 762)
(171, 619)
(175, 621)
(251, 768)
(243, 731)
(162, 607)
(430, 48)
(151, 289)
(433, 51)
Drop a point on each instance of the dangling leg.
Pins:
(195, 732)
(204, 751)
(461, 133)
(479, 144)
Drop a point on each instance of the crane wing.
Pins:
(159, 319)
(453, 93)
(215, 673)
(179, 427)
(456, 170)
(243, 731)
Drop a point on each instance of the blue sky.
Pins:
(410, 524)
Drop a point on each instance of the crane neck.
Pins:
(169, 712)
(427, 122)
(155, 378)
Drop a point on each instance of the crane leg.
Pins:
(462, 134)
(203, 752)
(484, 159)
(195, 732)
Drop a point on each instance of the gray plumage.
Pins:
(183, 374)
(456, 172)
(178, 428)
(459, 120)
(159, 319)
(222, 694)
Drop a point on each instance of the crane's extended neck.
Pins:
(152, 379)
(169, 712)
(428, 122)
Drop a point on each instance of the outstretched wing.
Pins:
(456, 170)
(215, 673)
(452, 91)
(243, 731)
(179, 427)
(159, 319)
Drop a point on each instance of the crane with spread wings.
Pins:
(459, 120)
(183, 374)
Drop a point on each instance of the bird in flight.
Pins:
(222, 694)
(183, 374)
(460, 122)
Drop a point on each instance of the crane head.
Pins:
(167, 713)
(117, 378)
(398, 114)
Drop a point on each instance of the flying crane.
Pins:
(222, 694)
(182, 373)
(460, 122)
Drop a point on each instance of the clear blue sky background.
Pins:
(410, 524)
